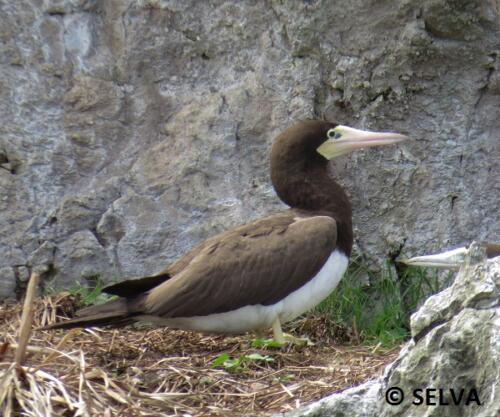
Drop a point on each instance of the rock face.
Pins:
(455, 346)
(132, 129)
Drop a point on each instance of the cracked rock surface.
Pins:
(455, 345)
(130, 130)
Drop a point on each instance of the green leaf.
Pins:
(285, 378)
(219, 360)
(234, 365)
(259, 358)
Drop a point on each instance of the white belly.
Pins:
(259, 316)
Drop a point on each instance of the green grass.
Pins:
(240, 363)
(86, 294)
(378, 312)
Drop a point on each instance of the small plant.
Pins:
(419, 283)
(89, 295)
(285, 379)
(239, 364)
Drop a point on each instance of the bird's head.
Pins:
(316, 137)
(299, 159)
(341, 140)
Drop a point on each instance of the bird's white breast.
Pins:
(317, 289)
(259, 316)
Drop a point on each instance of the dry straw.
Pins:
(162, 372)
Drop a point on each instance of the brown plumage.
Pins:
(257, 264)
(492, 250)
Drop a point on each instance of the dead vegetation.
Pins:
(162, 372)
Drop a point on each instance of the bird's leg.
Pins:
(279, 338)
(283, 338)
(277, 332)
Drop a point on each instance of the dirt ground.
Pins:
(163, 372)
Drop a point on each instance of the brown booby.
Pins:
(266, 272)
(452, 259)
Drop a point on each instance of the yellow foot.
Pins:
(288, 339)
(280, 339)
(298, 341)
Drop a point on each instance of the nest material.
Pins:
(163, 372)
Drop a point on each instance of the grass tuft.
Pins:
(85, 294)
(90, 293)
(377, 306)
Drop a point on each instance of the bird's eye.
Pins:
(332, 134)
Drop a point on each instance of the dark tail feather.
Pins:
(91, 321)
(113, 313)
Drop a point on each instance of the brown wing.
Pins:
(258, 263)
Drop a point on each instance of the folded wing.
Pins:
(258, 263)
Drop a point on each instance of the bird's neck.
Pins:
(310, 188)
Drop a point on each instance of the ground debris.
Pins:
(163, 372)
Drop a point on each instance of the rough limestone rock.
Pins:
(132, 129)
(455, 345)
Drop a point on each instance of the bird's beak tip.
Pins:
(452, 259)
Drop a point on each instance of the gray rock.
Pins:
(363, 400)
(23, 273)
(481, 293)
(455, 345)
(83, 258)
(43, 257)
(147, 124)
(7, 283)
